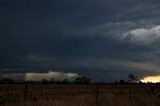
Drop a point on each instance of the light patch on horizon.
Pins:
(60, 76)
(153, 79)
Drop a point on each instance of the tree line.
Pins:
(79, 80)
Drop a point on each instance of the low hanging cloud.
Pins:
(144, 36)
(14, 76)
(57, 76)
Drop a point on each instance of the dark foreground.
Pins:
(79, 95)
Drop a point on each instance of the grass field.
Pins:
(78, 95)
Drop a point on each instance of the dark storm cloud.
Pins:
(109, 35)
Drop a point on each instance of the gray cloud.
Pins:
(144, 36)
(14, 76)
(57, 76)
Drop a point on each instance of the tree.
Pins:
(132, 78)
(65, 81)
(44, 81)
(122, 82)
(52, 80)
(7, 79)
(82, 80)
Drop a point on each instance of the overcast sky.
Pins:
(102, 39)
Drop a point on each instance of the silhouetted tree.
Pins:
(7, 79)
(44, 81)
(65, 81)
(52, 80)
(115, 81)
(132, 78)
(82, 80)
(140, 82)
(122, 81)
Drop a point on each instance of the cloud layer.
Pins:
(105, 39)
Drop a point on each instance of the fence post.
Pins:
(97, 93)
(152, 90)
(130, 92)
(25, 94)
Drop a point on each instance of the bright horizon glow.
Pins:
(153, 79)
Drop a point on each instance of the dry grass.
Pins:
(77, 95)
